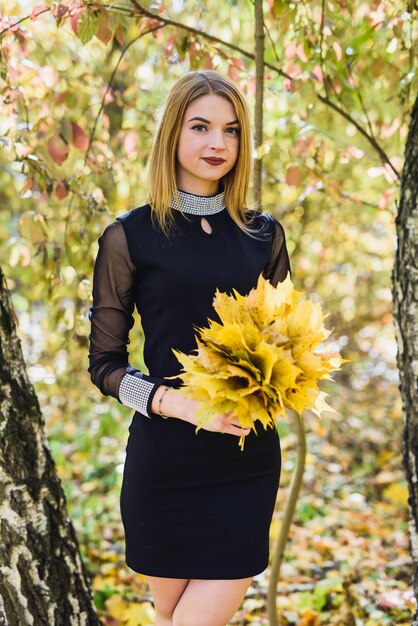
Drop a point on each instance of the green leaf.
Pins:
(87, 26)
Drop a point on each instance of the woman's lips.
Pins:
(214, 161)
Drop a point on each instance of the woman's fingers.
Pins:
(236, 429)
(236, 424)
(227, 423)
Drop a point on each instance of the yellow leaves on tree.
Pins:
(261, 358)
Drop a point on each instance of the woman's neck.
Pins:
(198, 187)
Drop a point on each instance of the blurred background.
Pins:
(81, 83)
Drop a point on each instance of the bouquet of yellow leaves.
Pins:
(260, 359)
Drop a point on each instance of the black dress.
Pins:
(193, 505)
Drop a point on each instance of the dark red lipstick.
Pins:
(214, 161)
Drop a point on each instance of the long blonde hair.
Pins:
(161, 186)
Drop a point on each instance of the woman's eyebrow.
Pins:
(202, 119)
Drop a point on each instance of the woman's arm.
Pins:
(111, 320)
(278, 264)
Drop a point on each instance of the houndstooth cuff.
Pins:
(137, 393)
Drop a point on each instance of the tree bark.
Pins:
(43, 581)
(405, 305)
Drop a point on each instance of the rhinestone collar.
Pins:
(199, 205)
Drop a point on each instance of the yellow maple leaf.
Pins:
(139, 614)
(305, 323)
(209, 360)
(312, 364)
(116, 605)
(284, 372)
(320, 405)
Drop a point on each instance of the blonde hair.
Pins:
(161, 186)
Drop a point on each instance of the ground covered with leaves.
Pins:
(346, 560)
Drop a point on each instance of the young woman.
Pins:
(196, 509)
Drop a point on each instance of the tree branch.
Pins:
(96, 119)
(259, 97)
(291, 501)
(324, 99)
(384, 157)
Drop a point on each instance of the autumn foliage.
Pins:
(80, 85)
(261, 358)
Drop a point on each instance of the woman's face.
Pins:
(210, 130)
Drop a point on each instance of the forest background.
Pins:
(81, 84)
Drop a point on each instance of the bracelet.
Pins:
(159, 403)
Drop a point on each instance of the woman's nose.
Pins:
(217, 140)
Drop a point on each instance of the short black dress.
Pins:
(193, 505)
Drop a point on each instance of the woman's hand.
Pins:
(176, 404)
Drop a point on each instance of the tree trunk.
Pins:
(43, 581)
(259, 100)
(405, 304)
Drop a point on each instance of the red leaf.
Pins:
(272, 9)
(57, 149)
(303, 146)
(79, 137)
(60, 96)
(151, 23)
(194, 50)
(292, 69)
(207, 62)
(233, 73)
(170, 51)
(290, 51)
(289, 85)
(36, 11)
(104, 33)
(317, 74)
(120, 35)
(59, 11)
(293, 176)
(60, 189)
(74, 19)
(239, 63)
(111, 621)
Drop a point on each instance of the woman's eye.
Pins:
(235, 131)
(198, 126)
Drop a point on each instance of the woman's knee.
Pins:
(166, 593)
(210, 602)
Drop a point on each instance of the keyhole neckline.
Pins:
(203, 222)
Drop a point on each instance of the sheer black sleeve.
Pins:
(111, 318)
(278, 264)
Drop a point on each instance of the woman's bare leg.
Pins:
(166, 593)
(210, 602)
